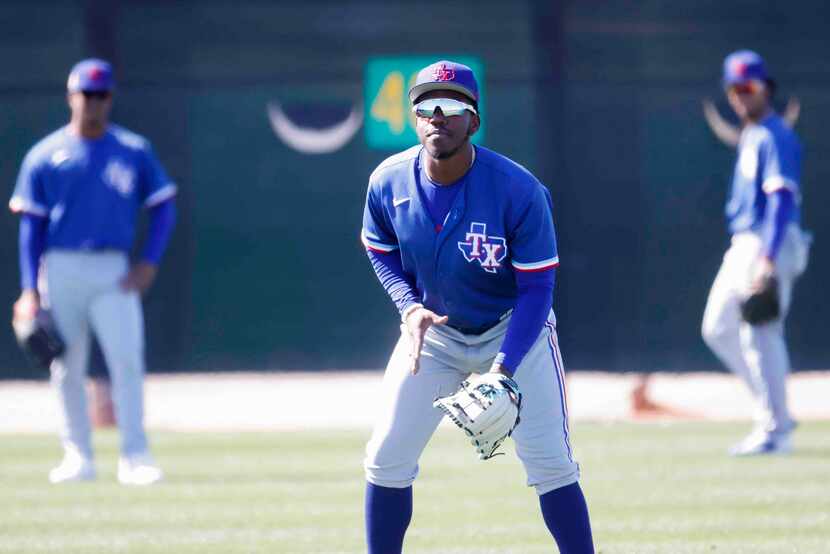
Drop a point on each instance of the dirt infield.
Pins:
(293, 400)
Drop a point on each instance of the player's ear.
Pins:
(475, 123)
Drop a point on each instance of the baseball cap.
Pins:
(445, 75)
(91, 75)
(743, 66)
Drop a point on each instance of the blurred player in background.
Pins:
(462, 239)
(79, 192)
(763, 215)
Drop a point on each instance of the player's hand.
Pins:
(140, 277)
(763, 271)
(418, 322)
(25, 308)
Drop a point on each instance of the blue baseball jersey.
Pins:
(90, 190)
(500, 222)
(768, 159)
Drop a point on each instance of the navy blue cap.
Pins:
(92, 75)
(742, 66)
(445, 75)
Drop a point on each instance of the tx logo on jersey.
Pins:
(119, 176)
(488, 251)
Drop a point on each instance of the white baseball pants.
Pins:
(756, 353)
(406, 419)
(82, 290)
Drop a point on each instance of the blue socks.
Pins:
(388, 513)
(566, 515)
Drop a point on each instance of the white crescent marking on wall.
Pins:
(314, 141)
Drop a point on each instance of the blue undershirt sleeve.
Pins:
(781, 207)
(532, 308)
(162, 221)
(389, 269)
(31, 242)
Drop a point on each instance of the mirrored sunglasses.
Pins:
(749, 87)
(449, 107)
(96, 94)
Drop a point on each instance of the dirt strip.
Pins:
(305, 400)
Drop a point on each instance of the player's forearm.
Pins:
(31, 242)
(531, 311)
(162, 221)
(781, 204)
(389, 270)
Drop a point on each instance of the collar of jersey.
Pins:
(454, 183)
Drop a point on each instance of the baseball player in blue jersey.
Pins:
(79, 192)
(763, 215)
(463, 241)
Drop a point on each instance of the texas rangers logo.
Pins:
(739, 67)
(120, 177)
(488, 251)
(442, 73)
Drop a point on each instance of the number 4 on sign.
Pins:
(389, 105)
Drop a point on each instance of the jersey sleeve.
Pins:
(781, 165)
(157, 186)
(29, 196)
(533, 239)
(531, 311)
(377, 233)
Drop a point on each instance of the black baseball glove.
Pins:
(39, 338)
(763, 305)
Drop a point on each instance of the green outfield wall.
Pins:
(601, 100)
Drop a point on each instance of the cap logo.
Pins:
(96, 73)
(442, 73)
(740, 68)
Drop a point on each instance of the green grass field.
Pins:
(666, 488)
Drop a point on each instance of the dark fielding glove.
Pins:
(39, 339)
(762, 305)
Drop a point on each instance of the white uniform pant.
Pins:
(407, 419)
(82, 290)
(756, 353)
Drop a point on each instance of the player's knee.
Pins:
(388, 479)
(126, 366)
(712, 333)
(706, 332)
(62, 375)
(546, 472)
(556, 482)
(396, 475)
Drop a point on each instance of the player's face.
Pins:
(749, 100)
(441, 135)
(91, 109)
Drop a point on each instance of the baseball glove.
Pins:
(486, 408)
(39, 338)
(763, 305)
